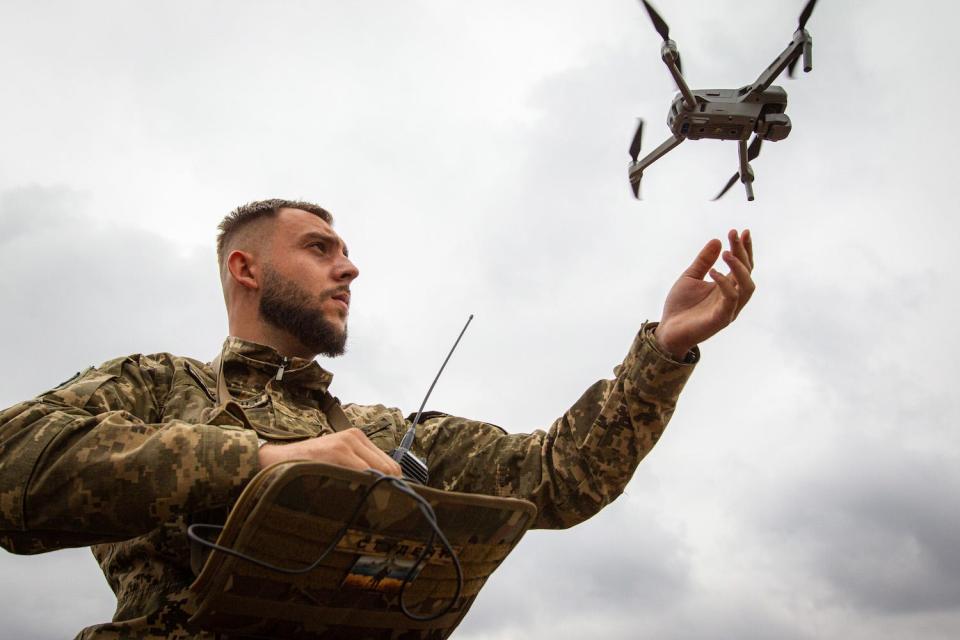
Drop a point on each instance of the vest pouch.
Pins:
(292, 511)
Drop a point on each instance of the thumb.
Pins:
(704, 260)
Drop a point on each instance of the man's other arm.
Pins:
(90, 461)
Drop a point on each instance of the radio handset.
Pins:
(413, 467)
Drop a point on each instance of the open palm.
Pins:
(696, 309)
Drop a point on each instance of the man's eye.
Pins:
(319, 245)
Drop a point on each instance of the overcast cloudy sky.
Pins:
(475, 157)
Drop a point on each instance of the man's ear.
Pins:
(244, 269)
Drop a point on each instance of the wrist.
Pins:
(669, 344)
(266, 454)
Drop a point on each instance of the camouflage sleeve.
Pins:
(89, 462)
(585, 459)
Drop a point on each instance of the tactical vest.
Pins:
(383, 573)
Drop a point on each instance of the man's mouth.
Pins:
(343, 296)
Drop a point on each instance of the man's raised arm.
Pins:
(587, 456)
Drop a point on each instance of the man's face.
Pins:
(306, 282)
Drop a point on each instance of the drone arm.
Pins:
(802, 44)
(636, 168)
(671, 57)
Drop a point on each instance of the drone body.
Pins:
(757, 109)
(721, 115)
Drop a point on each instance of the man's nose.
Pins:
(346, 270)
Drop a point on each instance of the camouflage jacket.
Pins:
(119, 457)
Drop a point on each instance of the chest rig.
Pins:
(316, 551)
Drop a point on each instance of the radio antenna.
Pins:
(413, 468)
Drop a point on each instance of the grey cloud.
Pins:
(878, 522)
(83, 291)
(559, 583)
(27, 209)
(843, 501)
(53, 595)
(78, 292)
(873, 517)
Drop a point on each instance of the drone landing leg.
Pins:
(636, 168)
(808, 54)
(746, 171)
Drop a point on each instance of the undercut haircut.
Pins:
(248, 213)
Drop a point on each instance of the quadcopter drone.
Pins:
(726, 114)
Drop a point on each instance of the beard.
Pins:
(286, 306)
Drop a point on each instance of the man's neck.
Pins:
(262, 333)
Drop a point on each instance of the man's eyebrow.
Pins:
(329, 237)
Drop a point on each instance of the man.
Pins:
(122, 456)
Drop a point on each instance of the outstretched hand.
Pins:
(696, 309)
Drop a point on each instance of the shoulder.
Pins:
(131, 374)
(368, 415)
(152, 364)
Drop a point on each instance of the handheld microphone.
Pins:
(413, 467)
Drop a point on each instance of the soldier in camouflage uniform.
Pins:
(119, 457)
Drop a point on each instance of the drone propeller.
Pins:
(637, 143)
(635, 147)
(792, 66)
(661, 26)
(752, 152)
(805, 14)
(658, 23)
(802, 24)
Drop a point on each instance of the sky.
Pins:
(474, 156)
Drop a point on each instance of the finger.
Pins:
(355, 462)
(362, 464)
(740, 274)
(748, 244)
(742, 278)
(370, 453)
(704, 260)
(382, 462)
(728, 291)
(738, 248)
(379, 461)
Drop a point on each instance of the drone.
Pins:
(726, 114)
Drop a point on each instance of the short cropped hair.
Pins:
(258, 210)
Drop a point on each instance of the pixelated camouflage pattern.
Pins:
(587, 456)
(124, 455)
(292, 511)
